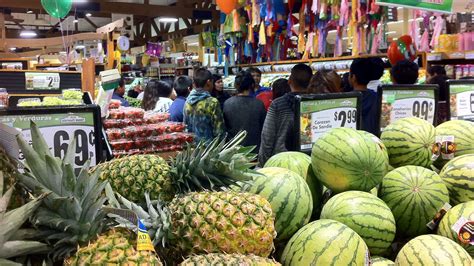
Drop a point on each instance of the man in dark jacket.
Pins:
(278, 133)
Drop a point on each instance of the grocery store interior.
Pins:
(237, 132)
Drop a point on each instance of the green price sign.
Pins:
(445, 6)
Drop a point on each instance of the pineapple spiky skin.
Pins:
(222, 222)
(217, 259)
(115, 247)
(8, 169)
(132, 176)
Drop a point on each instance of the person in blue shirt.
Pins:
(119, 92)
(257, 76)
(183, 86)
(360, 75)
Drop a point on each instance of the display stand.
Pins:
(318, 113)
(461, 99)
(59, 126)
(15, 81)
(402, 101)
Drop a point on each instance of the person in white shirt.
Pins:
(377, 69)
(157, 96)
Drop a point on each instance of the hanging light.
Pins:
(88, 15)
(76, 20)
(28, 34)
(165, 20)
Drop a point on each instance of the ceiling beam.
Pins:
(126, 8)
(91, 22)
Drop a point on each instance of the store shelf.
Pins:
(435, 57)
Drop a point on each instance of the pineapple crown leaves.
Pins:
(10, 223)
(155, 216)
(213, 166)
(71, 214)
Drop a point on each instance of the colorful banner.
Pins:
(445, 6)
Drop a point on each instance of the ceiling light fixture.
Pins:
(28, 34)
(165, 20)
(28, 11)
(76, 20)
(80, 46)
(12, 49)
(88, 15)
(390, 32)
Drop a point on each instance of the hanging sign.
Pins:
(59, 126)
(461, 99)
(319, 113)
(401, 101)
(445, 6)
(42, 81)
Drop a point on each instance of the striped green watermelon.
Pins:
(378, 141)
(345, 159)
(463, 210)
(379, 261)
(300, 163)
(433, 250)
(289, 196)
(463, 132)
(458, 175)
(414, 194)
(367, 215)
(409, 141)
(325, 242)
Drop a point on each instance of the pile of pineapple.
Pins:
(191, 216)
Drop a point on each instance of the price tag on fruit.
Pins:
(461, 101)
(58, 131)
(398, 104)
(42, 81)
(320, 116)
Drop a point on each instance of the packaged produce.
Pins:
(3, 98)
(154, 118)
(114, 104)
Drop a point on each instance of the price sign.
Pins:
(42, 81)
(59, 128)
(321, 113)
(461, 100)
(407, 101)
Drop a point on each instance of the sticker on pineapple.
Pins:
(465, 230)
(144, 240)
(433, 224)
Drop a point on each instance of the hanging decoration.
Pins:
(227, 6)
(153, 49)
(401, 49)
(57, 8)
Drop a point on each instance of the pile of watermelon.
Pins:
(406, 198)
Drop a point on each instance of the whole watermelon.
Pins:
(464, 211)
(379, 261)
(414, 194)
(463, 132)
(289, 196)
(345, 159)
(458, 175)
(409, 141)
(325, 242)
(382, 147)
(433, 250)
(300, 163)
(367, 215)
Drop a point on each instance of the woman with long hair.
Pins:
(325, 81)
(157, 96)
(218, 90)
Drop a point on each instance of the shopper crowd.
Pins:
(268, 114)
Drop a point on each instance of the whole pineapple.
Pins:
(217, 259)
(8, 168)
(117, 247)
(212, 166)
(10, 223)
(208, 222)
(72, 215)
